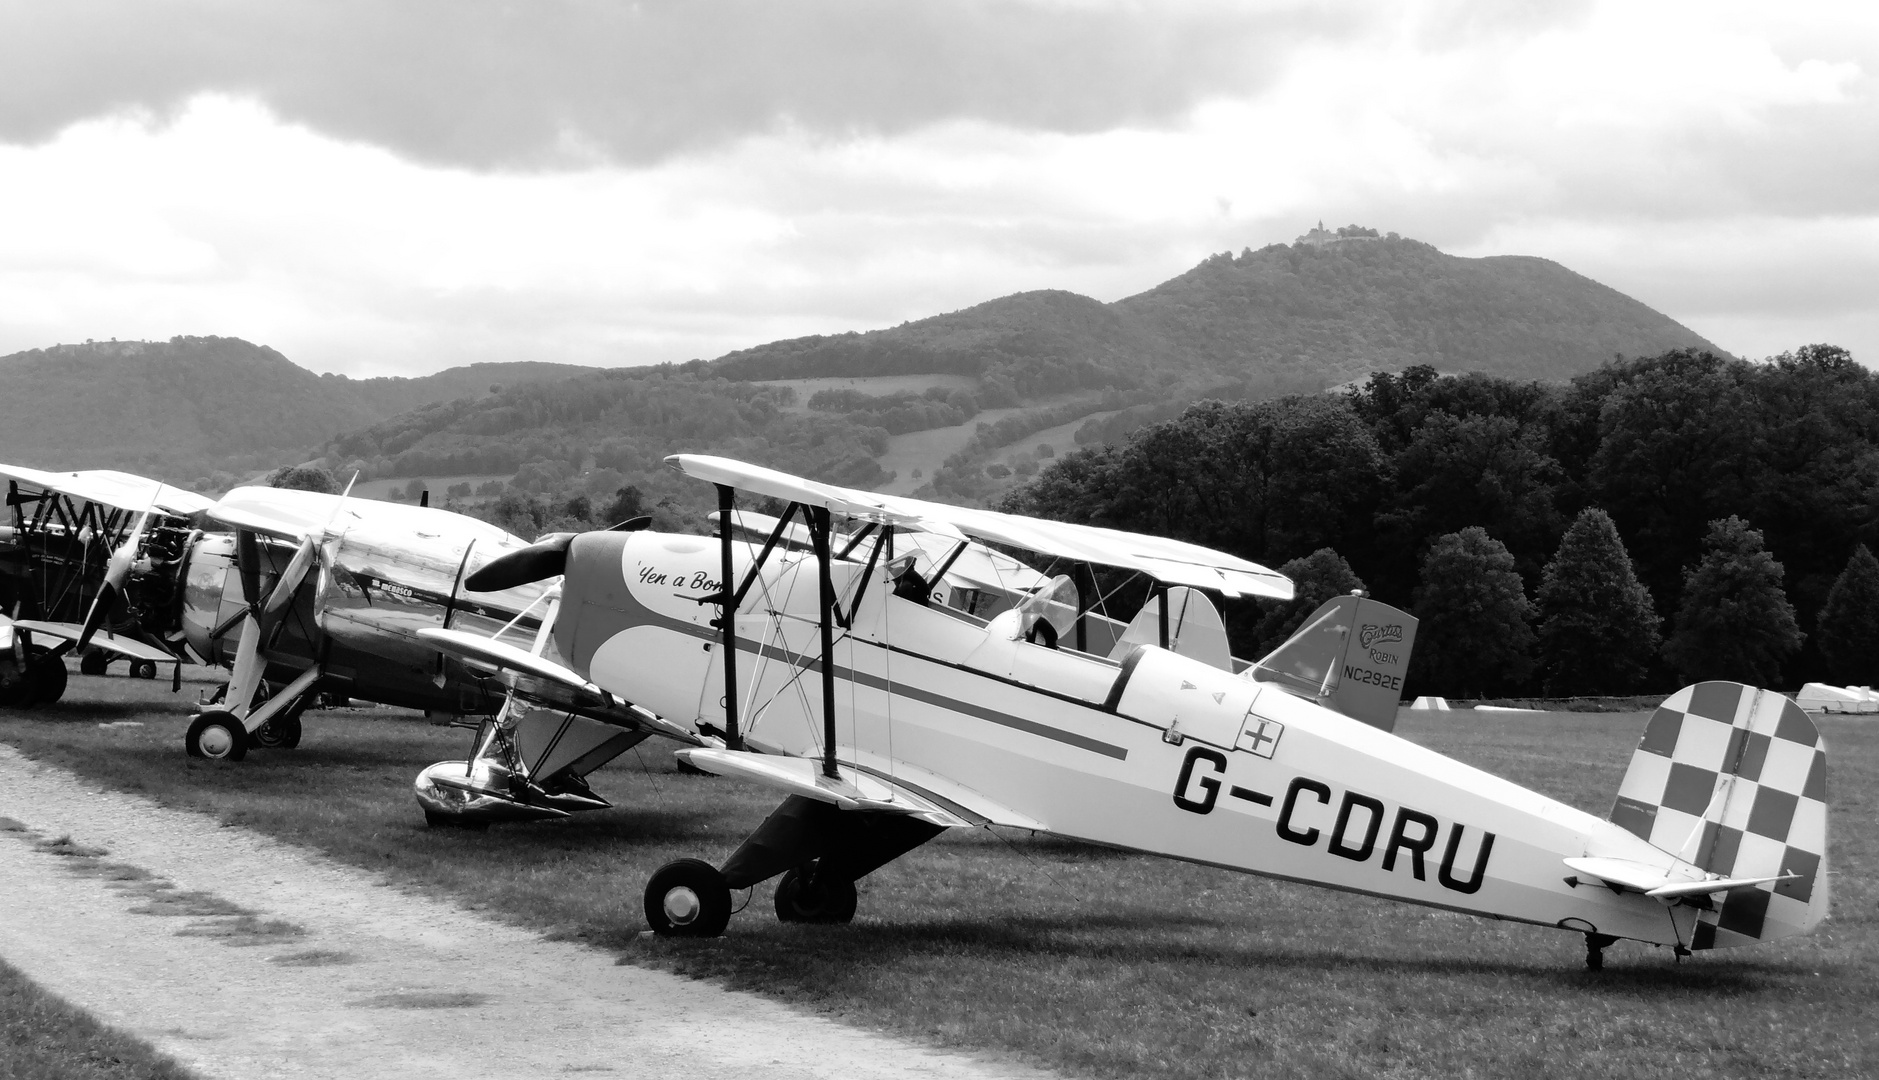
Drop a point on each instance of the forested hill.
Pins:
(1285, 317)
(1345, 309)
(189, 406)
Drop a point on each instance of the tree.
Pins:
(1735, 622)
(1316, 578)
(1598, 628)
(414, 489)
(627, 504)
(1848, 633)
(1490, 471)
(302, 478)
(1474, 635)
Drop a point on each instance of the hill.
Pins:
(1327, 309)
(1285, 317)
(1339, 311)
(194, 406)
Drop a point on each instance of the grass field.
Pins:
(1090, 961)
(43, 1038)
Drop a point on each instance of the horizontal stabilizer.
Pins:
(1715, 885)
(1637, 876)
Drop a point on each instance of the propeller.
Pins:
(543, 559)
(116, 572)
(311, 550)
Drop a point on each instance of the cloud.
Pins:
(488, 84)
(347, 182)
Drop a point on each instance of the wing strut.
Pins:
(727, 615)
(819, 537)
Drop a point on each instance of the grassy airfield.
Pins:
(1091, 961)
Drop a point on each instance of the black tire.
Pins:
(827, 902)
(280, 733)
(94, 662)
(688, 898)
(216, 735)
(46, 677)
(144, 669)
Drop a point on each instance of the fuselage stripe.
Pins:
(1005, 719)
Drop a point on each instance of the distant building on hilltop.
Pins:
(1321, 236)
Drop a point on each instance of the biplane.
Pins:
(884, 718)
(309, 592)
(67, 555)
(301, 593)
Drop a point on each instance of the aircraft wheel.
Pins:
(688, 898)
(144, 669)
(218, 736)
(825, 902)
(46, 676)
(94, 662)
(280, 733)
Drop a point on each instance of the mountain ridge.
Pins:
(1285, 318)
(194, 405)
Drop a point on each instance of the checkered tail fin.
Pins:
(1734, 780)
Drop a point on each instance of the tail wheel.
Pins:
(280, 733)
(218, 736)
(94, 662)
(804, 896)
(688, 898)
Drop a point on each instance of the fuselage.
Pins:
(396, 571)
(1152, 751)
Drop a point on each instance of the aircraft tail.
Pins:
(1734, 780)
(1350, 656)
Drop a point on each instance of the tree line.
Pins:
(1659, 519)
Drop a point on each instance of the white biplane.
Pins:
(885, 718)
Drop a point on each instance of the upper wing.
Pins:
(112, 488)
(549, 683)
(1172, 561)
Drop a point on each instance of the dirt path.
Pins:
(334, 974)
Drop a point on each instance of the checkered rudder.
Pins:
(1734, 780)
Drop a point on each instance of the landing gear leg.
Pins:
(1595, 950)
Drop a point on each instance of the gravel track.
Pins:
(382, 983)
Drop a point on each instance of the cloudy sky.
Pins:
(394, 188)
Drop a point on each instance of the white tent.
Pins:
(1821, 698)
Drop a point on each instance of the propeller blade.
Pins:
(248, 668)
(291, 577)
(543, 559)
(94, 618)
(248, 561)
(633, 524)
(116, 573)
